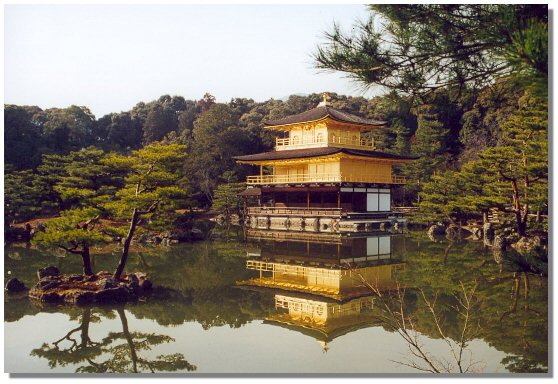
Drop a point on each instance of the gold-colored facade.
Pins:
(323, 133)
(341, 167)
(325, 175)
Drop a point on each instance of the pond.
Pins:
(241, 304)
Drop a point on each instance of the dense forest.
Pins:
(469, 100)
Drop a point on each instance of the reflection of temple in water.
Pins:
(323, 289)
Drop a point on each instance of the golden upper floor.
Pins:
(329, 164)
(321, 127)
(324, 145)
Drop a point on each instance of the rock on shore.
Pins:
(15, 285)
(533, 243)
(82, 289)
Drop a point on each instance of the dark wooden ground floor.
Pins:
(347, 198)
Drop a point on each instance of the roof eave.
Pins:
(366, 125)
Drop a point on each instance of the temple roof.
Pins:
(250, 192)
(316, 152)
(320, 112)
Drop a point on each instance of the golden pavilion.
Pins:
(323, 176)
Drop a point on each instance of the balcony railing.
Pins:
(324, 178)
(282, 211)
(352, 142)
(295, 142)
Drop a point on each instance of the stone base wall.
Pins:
(323, 224)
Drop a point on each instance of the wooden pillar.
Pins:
(308, 199)
(339, 198)
(261, 170)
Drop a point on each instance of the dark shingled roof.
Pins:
(315, 152)
(249, 192)
(320, 112)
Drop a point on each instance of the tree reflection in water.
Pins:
(74, 347)
(398, 312)
(444, 293)
(519, 319)
(118, 352)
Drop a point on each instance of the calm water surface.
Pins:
(234, 304)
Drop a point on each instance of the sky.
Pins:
(109, 58)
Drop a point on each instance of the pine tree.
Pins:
(75, 231)
(522, 161)
(416, 48)
(429, 143)
(150, 192)
(481, 191)
(511, 176)
(24, 194)
(87, 178)
(226, 199)
(439, 199)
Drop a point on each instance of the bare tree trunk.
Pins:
(127, 241)
(87, 270)
(520, 214)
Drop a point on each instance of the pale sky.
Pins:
(111, 57)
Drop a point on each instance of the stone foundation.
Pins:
(325, 224)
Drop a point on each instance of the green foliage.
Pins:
(226, 198)
(216, 138)
(114, 187)
(152, 176)
(522, 161)
(512, 176)
(22, 137)
(118, 132)
(159, 122)
(67, 129)
(455, 196)
(528, 53)
(88, 178)
(24, 196)
(439, 199)
(429, 143)
(420, 47)
(481, 124)
(524, 151)
(68, 232)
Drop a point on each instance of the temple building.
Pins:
(323, 176)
